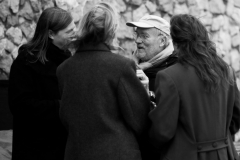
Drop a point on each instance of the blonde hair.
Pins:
(98, 25)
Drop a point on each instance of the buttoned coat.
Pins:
(104, 105)
(190, 123)
(38, 133)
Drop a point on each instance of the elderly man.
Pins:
(154, 47)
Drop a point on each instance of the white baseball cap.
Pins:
(152, 21)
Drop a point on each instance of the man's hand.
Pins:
(143, 78)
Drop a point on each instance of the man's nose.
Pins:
(138, 39)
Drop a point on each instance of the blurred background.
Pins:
(18, 20)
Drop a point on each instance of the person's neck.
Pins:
(60, 47)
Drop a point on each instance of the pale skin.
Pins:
(63, 37)
(149, 43)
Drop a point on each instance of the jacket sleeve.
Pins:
(133, 100)
(164, 117)
(23, 98)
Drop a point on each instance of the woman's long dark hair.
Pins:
(196, 49)
(54, 19)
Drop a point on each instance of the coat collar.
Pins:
(91, 47)
(164, 63)
(55, 57)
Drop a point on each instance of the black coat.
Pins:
(152, 71)
(34, 103)
(104, 106)
(190, 123)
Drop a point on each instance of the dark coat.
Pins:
(152, 71)
(104, 106)
(191, 123)
(34, 103)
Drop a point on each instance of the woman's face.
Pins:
(63, 37)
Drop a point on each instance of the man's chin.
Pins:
(140, 53)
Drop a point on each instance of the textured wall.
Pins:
(18, 20)
(221, 17)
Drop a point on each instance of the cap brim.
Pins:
(139, 24)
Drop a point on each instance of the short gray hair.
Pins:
(164, 34)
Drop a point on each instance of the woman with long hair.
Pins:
(198, 102)
(33, 89)
(104, 106)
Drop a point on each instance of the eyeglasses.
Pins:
(144, 37)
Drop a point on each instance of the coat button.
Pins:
(199, 148)
(214, 144)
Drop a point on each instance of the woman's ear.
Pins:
(51, 34)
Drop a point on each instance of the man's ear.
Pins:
(51, 34)
(163, 41)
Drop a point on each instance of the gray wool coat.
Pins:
(104, 106)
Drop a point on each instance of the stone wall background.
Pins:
(221, 17)
(18, 20)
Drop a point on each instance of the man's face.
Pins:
(64, 36)
(148, 43)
